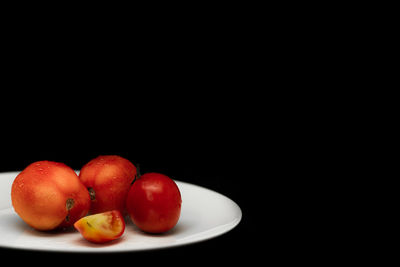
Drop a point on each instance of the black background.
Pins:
(232, 98)
(185, 99)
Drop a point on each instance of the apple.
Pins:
(108, 179)
(49, 195)
(101, 227)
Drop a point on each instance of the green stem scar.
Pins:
(137, 176)
(69, 204)
(92, 193)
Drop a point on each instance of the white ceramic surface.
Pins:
(205, 214)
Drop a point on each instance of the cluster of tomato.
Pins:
(49, 195)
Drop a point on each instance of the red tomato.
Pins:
(108, 179)
(49, 195)
(154, 203)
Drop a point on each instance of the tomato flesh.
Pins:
(101, 227)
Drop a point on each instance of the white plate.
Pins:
(205, 214)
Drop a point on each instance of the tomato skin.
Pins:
(49, 195)
(109, 178)
(154, 203)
